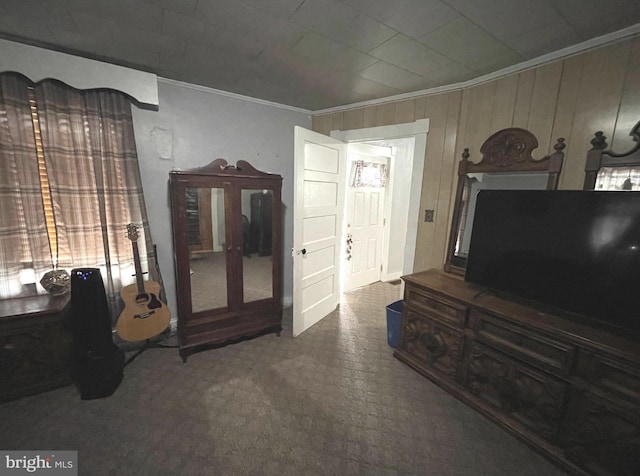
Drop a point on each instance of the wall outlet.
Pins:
(428, 215)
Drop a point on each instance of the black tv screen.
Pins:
(578, 251)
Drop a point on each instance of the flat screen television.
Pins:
(577, 251)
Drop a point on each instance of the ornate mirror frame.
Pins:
(506, 151)
(599, 157)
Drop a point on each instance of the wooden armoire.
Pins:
(227, 289)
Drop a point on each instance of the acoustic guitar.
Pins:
(144, 316)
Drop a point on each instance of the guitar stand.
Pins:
(149, 344)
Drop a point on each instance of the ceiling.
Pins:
(314, 54)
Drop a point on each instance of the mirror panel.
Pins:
(474, 182)
(257, 262)
(609, 170)
(618, 178)
(206, 238)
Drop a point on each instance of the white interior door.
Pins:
(364, 220)
(319, 177)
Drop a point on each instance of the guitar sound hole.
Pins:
(142, 298)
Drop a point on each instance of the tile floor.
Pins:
(332, 401)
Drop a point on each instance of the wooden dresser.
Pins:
(568, 389)
(35, 345)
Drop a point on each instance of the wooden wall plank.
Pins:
(629, 112)
(336, 121)
(449, 180)
(405, 111)
(370, 116)
(321, 124)
(436, 110)
(388, 113)
(543, 104)
(479, 115)
(506, 90)
(526, 81)
(597, 106)
(419, 110)
(567, 99)
(353, 119)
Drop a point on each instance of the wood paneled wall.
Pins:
(571, 98)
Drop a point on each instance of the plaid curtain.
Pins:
(96, 190)
(24, 243)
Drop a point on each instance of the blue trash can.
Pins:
(394, 319)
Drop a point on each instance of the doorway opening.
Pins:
(398, 202)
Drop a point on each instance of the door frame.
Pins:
(417, 130)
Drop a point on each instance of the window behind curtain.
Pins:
(89, 161)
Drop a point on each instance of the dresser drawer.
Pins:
(436, 307)
(610, 374)
(533, 398)
(436, 345)
(523, 343)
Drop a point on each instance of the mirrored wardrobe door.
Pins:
(206, 239)
(257, 260)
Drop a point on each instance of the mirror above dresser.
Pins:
(506, 163)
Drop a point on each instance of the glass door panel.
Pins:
(257, 262)
(207, 248)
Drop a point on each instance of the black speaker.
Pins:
(97, 364)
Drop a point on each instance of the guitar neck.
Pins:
(136, 262)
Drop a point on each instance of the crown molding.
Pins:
(240, 97)
(529, 64)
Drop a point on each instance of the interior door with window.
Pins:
(319, 170)
(365, 214)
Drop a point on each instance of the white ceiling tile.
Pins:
(330, 18)
(142, 59)
(277, 33)
(209, 73)
(506, 18)
(287, 63)
(233, 16)
(537, 43)
(331, 53)
(197, 32)
(398, 49)
(112, 51)
(34, 12)
(469, 45)
(365, 33)
(393, 76)
(133, 12)
(358, 86)
(14, 28)
(596, 17)
(418, 17)
(278, 8)
(186, 7)
(437, 67)
(128, 34)
(379, 9)
(309, 52)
